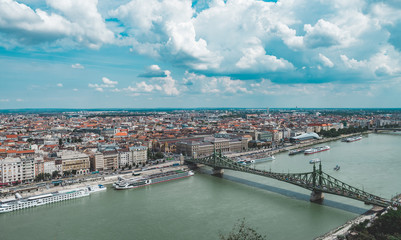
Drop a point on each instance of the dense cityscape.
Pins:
(42, 151)
(52, 145)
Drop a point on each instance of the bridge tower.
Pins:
(317, 195)
(217, 171)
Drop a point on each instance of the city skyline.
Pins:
(199, 54)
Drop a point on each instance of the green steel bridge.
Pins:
(317, 181)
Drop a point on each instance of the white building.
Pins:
(98, 161)
(139, 155)
(50, 166)
(14, 170)
(125, 158)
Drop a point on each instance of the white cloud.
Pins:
(203, 84)
(144, 87)
(352, 63)
(206, 42)
(75, 89)
(59, 85)
(282, 40)
(19, 100)
(326, 61)
(325, 34)
(153, 71)
(165, 83)
(386, 62)
(77, 65)
(255, 58)
(168, 85)
(76, 20)
(109, 82)
(385, 14)
(4, 100)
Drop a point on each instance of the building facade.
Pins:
(75, 161)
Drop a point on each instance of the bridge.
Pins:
(385, 129)
(317, 181)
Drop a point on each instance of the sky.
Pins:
(194, 54)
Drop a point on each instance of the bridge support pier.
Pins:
(316, 196)
(218, 171)
(192, 166)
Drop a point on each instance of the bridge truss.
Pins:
(317, 181)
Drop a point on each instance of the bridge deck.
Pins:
(316, 181)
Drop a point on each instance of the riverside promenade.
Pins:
(270, 151)
(85, 180)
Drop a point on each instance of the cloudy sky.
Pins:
(178, 53)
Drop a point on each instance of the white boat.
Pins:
(352, 139)
(42, 199)
(315, 160)
(316, 150)
(265, 159)
(151, 179)
(96, 188)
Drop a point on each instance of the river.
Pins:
(202, 206)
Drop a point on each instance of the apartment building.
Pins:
(16, 170)
(74, 161)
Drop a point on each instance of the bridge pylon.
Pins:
(218, 171)
(317, 195)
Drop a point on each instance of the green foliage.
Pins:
(154, 156)
(43, 177)
(241, 231)
(386, 227)
(334, 133)
(159, 155)
(55, 174)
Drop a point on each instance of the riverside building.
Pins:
(210, 144)
(16, 170)
(74, 161)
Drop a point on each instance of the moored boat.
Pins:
(151, 179)
(42, 199)
(265, 159)
(96, 188)
(256, 160)
(316, 150)
(296, 151)
(352, 139)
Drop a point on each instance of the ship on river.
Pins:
(316, 150)
(296, 151)
(256, 160)
(151, 179)
(21, 203)
(352, 139)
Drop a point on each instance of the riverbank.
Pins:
(104, 180)
(269, 151)
(344, 229)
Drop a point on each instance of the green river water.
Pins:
(202, 206)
